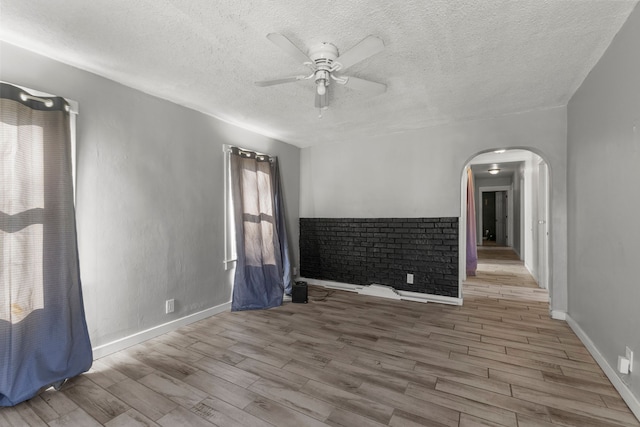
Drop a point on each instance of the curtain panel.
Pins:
(281, 227)
(472, 248)
(43, 332)
(263, 266)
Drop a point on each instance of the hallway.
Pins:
(501, 271)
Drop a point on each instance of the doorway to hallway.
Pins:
(512, 210)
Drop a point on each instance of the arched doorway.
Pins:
(511, 194)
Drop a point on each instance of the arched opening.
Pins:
(511, 191)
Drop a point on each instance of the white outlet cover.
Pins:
(169, 306)
(410, 278)
(629, 355)
(623, 365)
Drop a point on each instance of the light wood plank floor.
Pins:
(351, 360)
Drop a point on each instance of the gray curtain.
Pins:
(263, 265)
(43, 332)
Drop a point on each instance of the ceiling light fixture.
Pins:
(322, 81)
(494, 171)
(499, 151)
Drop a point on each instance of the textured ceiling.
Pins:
(506, 170)
(508, 162)
(444, 60)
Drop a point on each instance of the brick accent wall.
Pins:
(363, 251)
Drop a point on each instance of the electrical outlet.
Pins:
(629, 355)
(410, 278)
(169, 306)
(295, 271)
(623, 365)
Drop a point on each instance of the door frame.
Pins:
(490, 189)
(542, 220)
(557, 288)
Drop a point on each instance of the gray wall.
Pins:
(149, 197)
(603, 200)
(419, 173)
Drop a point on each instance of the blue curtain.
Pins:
(43, 332)
(263, 267)
(281, 227)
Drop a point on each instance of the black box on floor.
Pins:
(299, 293)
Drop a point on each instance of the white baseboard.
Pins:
(333, 285)
(630, 399)
(405, 295)
(379, 291)
(531, 272)
(142, 336)
(558, 315)
(517, 253)
(419, 297)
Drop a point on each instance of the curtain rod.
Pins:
(226, 148)
(46, 101)
(26, 97)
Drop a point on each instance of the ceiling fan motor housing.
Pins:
(323, 55)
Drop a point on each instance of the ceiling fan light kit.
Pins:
(325, 61)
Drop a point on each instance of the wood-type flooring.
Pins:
(351, 360)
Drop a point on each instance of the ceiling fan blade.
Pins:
(280, 81)
(285, 44)
(322, 101)
(365, 85)
(370, 45)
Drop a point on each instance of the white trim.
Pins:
(462, 232)
(420, 297)
(142, 336)
(332, 285)
(529, 269)
(558, 315)
(229, 243)
(627, 395)
(403, 295)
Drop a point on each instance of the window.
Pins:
(22, 204)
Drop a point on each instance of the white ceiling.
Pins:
(444, 60)
(508, 162)
(506, 170)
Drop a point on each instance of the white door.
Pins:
(501, 218)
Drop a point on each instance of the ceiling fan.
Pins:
(326, 64)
